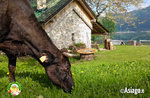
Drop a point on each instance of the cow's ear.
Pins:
(46, 58)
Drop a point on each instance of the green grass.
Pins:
(104, 77)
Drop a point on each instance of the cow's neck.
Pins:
(25, 26)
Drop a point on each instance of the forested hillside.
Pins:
(140, 25)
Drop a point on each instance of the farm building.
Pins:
(68, 22)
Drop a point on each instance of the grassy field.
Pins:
(104, 77)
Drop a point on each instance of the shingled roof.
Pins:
(53, 7)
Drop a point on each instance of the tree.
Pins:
(108, 23)
(113, 8)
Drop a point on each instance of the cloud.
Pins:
(145, 4)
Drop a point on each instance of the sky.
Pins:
(144, 5)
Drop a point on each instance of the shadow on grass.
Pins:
(41, 78)
(2, 73)
(28, 61)
(74, 59)
(38, 77)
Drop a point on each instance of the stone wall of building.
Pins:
(69, 27)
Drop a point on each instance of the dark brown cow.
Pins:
(21, 34)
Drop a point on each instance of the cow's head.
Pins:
(59, 71)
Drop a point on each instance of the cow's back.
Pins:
(4, 19)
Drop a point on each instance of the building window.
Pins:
(73, 39)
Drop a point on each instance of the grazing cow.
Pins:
(21, 34)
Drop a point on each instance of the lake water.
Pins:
(117, 42)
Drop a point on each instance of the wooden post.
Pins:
(106, 43)
(105, 37)
(111, 46)
(140, 42)
(134, 42)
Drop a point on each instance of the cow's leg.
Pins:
(12, 67)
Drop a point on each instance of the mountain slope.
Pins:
(142, 23)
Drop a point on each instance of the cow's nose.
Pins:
(68, 90)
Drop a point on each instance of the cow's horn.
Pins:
(69, 54)
(66, 54)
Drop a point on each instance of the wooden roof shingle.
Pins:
(53, 7)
